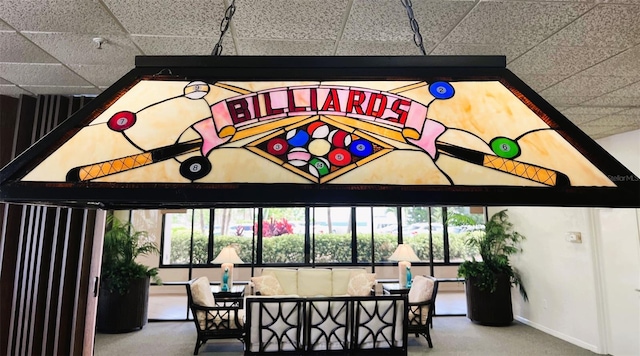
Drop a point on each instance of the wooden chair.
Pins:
(213, 320)
(422, 300)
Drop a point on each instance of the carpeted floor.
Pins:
(451, 336)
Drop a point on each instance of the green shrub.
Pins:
(328, 247)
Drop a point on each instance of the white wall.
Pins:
(566, 281)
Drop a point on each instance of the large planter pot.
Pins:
(123, 313)
(487, 308)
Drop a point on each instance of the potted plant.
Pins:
(124, 288)
(488, 282)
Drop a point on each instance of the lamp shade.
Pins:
(404, 252)
(227, 255)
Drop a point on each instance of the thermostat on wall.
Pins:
(574, 237)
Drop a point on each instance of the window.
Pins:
(283, 235)
(320, 235)
(466, 221)
(179, 230)
(332, 238)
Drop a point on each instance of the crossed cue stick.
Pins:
(528, 171)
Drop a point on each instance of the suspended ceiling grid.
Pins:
(581, 56)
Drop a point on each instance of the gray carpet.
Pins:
(450, 335)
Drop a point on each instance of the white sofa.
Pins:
(314, 282)
(323, 310)
(346, 325)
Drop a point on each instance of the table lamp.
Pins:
(404, 255)
(227, 257)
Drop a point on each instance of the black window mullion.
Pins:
(309, 239)
(445, 236)
(431, 269)
(354, 236)
(399, 224)
(258, 249)
(163, 236)
(211, 244)
(373, 244)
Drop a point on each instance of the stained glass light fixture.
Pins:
(264, 131)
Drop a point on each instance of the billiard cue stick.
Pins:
(102, 169)
(524, 170)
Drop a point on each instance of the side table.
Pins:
(233, 297)
(394, 288)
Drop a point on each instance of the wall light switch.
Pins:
(574, 237)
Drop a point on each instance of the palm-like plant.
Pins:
(122, 245)
(498, 242)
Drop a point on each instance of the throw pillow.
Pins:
(201, 292)
(267, 285)
(421, 289)
(360, 284)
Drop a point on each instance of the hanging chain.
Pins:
(417, 37)
(224, 26)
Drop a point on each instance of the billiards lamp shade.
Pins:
(227, 257)
(404, 255)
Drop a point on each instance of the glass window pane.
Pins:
(415, 230)
(385, 232)
(463, 221)
(283, 235)
(437, 235)
(234, 227)
(363, 234)
(332, 227)
(177, 237)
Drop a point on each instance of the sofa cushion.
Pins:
(421, 291)
(201, 292)
(202, 295)
(267, 285)
(340, 278)
(360, 284)
(314, 282)
(288, 278)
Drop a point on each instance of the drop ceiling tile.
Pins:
(590, 129)
(16, 48)
(515, 22)
(187, 46)
(580, 119)
(554, 60)
(606, 25)
(13, 90)
(4, 26)
(630, 91)
(598, 111)
(624, 64)
(632, 111)
(71, 48)
(581, 85)
(628, 96)
(619, 130)
(566, 100)
(378, 48)
(387, 20)
(169, 17)
(285, 48)
(40, 74)
(289, 19)
(101, 75)
(78, 16)
(4, 81)
(451, 49)
(617, 120)
(540, 82)
(62, 90)
(607, 100)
